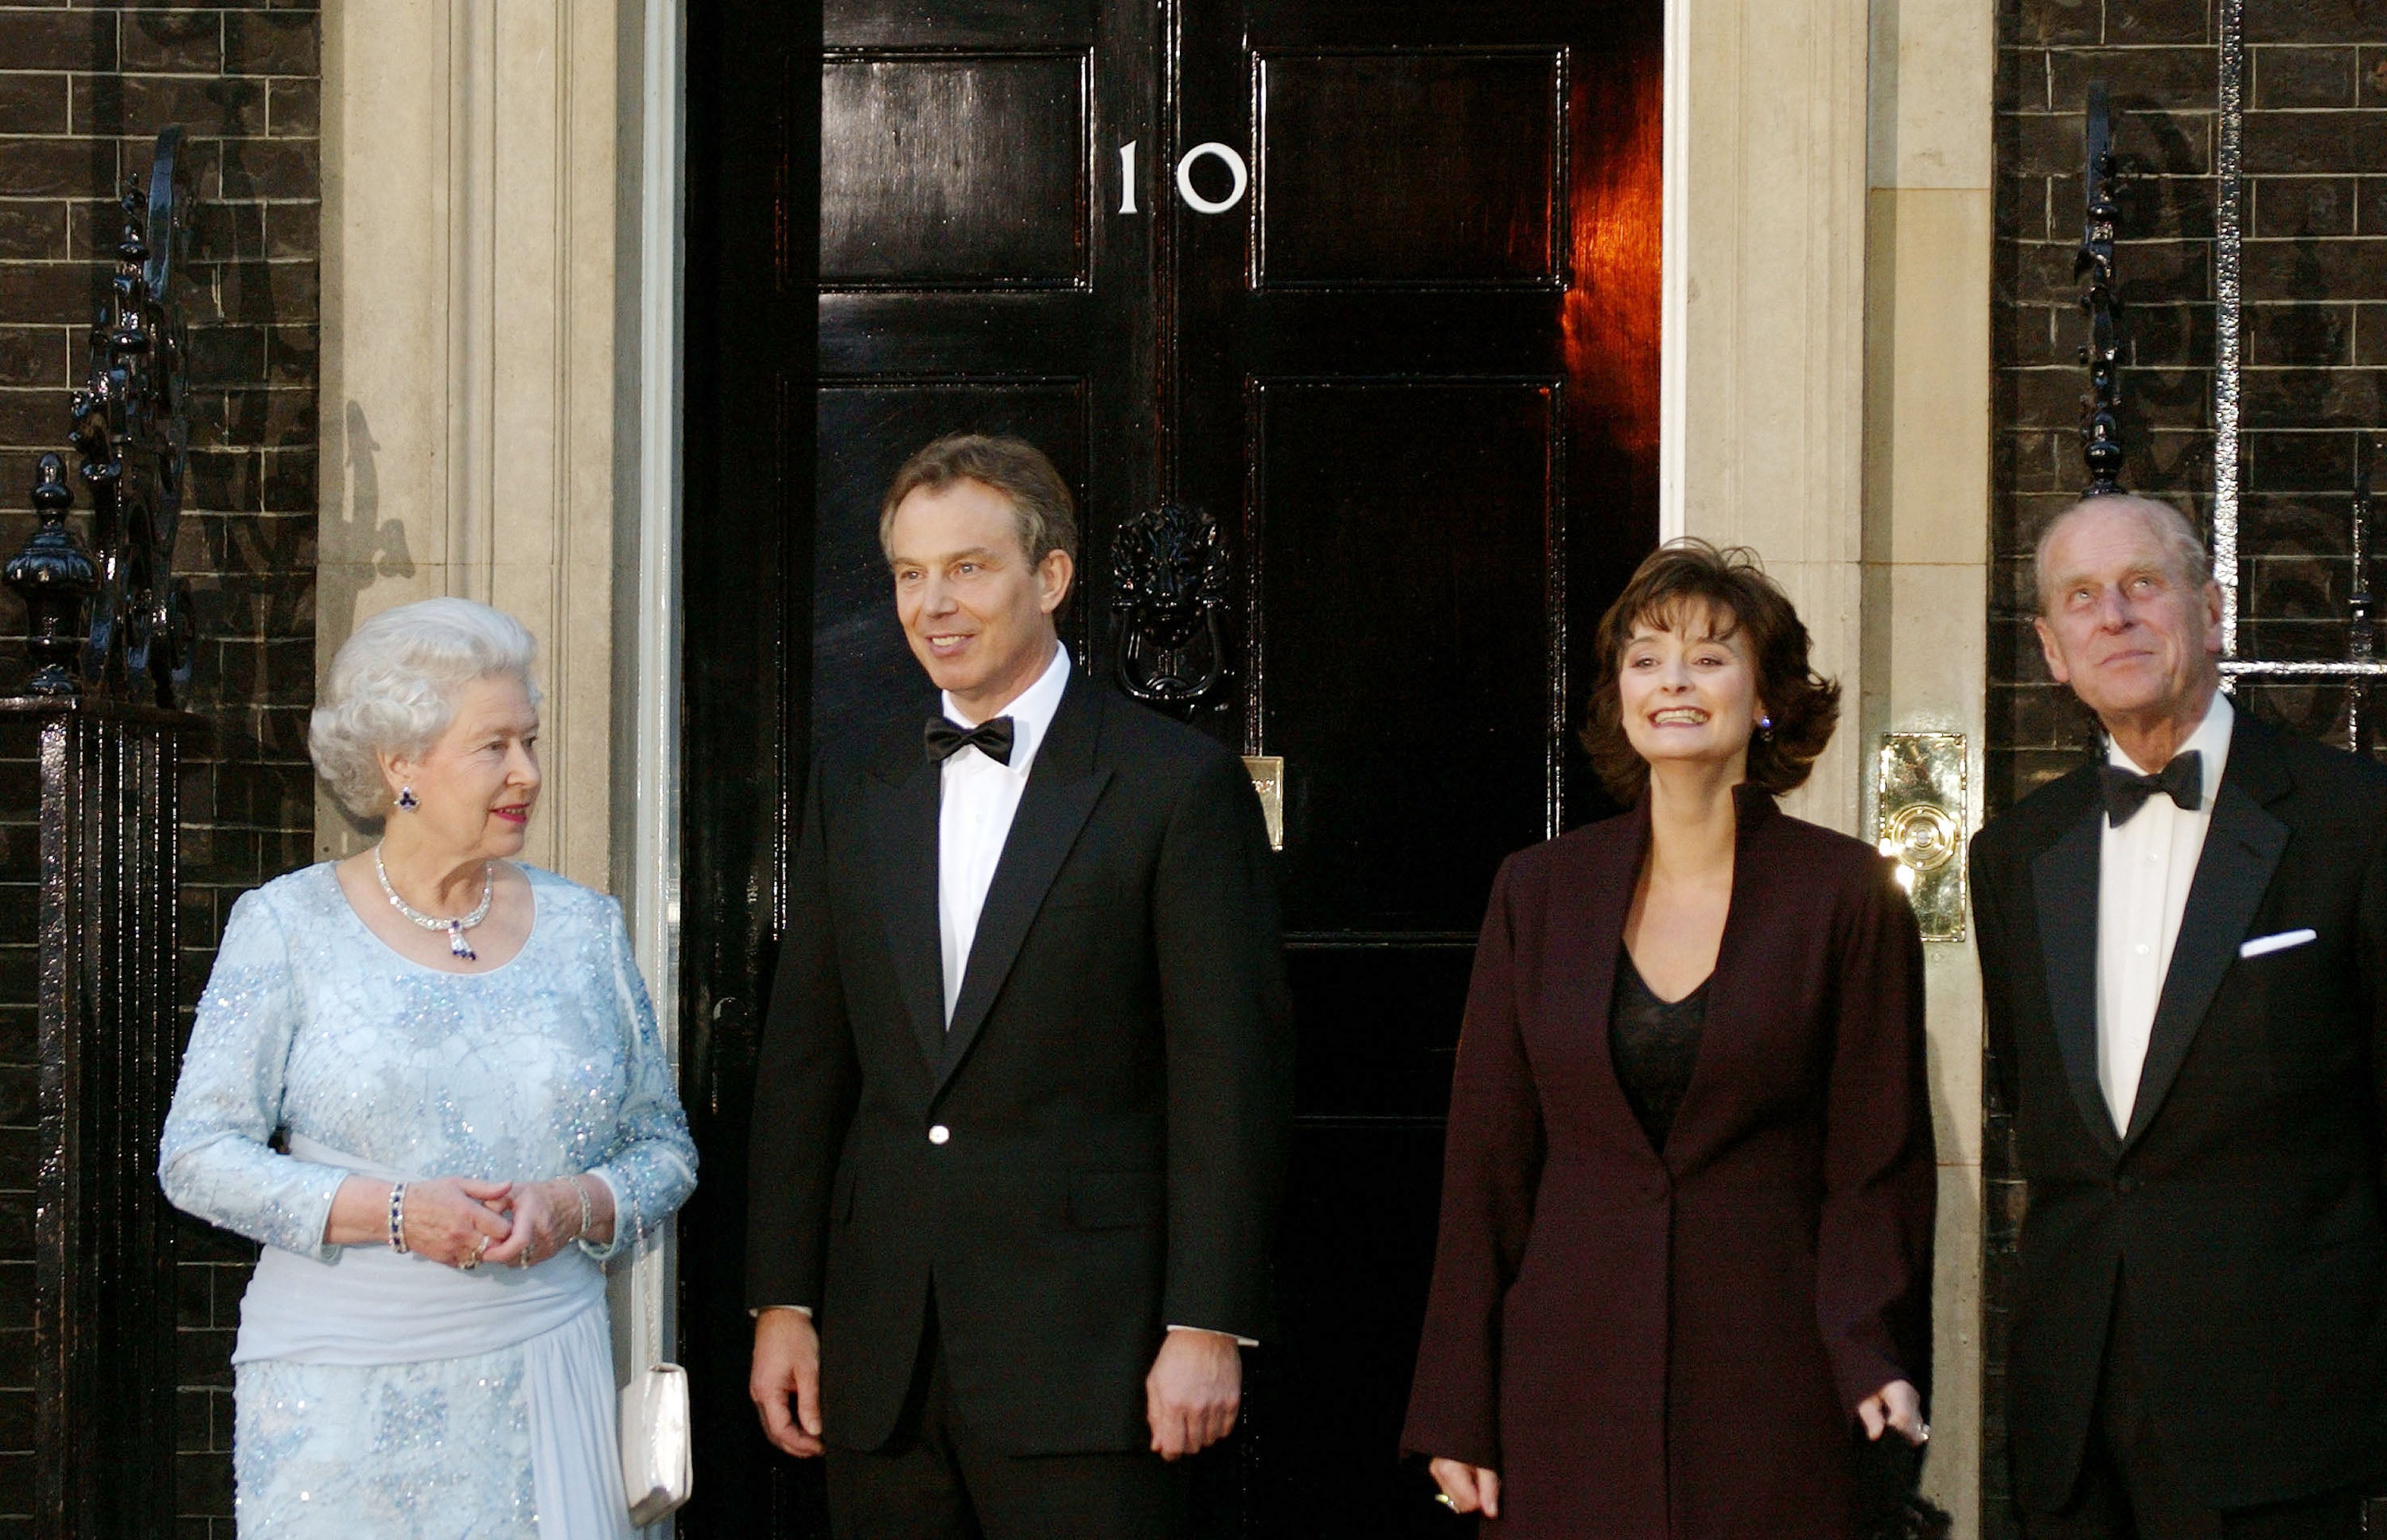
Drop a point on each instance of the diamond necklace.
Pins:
(454, 927)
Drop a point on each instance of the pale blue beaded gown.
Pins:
(369, 1404)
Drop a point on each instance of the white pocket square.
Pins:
(2281, 942)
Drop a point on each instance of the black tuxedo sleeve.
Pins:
(1995, 953)
(805, 1087)
(2373, 945)
(1228, 1023)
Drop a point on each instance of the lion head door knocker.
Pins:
(1169, 571)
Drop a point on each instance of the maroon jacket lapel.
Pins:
(1585, 932)
(1731, 1012)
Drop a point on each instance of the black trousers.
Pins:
(938, 1480)
(2130, 1490)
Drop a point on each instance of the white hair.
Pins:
(2191, 563)
(393, 689)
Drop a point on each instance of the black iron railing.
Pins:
(91, 870)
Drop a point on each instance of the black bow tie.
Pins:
(947, 738)
(2183, 780)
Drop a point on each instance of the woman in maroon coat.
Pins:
(1687, 1202)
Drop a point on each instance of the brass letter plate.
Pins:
(1268, 780)
(1922, 826)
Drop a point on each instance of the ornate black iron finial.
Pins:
(2101, 442)
(1169, 574)
(53, 576)
(128, 426)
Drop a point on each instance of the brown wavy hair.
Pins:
(1041, 504)
(1678, 579)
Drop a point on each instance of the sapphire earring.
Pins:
(406, 798)
(1766, 728)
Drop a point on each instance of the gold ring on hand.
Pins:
(473, 1261)
(1443, 1498)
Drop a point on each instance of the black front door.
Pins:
(1373, 286)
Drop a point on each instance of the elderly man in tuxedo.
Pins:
(2184, 948)
(1026, 1083)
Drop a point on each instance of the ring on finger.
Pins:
(474, 1260)
(1443, 1498)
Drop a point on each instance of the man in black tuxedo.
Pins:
(1026, 1084)
(2184, 952)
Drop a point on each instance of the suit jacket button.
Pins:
(2125, 1185)
(939, 1133)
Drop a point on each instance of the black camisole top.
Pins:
(1655, 1045)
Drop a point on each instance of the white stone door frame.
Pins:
(647, 841)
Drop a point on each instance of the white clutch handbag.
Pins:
(656, 1468)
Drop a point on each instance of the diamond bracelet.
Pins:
(398, 1218)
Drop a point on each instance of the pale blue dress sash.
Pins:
(371, 1306)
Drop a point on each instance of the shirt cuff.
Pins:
(1240, 1341)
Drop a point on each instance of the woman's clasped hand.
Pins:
(454, 1220)
(1467, 1488)
(461, 1222)
(1896, 1408)
(549, 1216)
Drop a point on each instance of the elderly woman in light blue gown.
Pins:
(428, 1079)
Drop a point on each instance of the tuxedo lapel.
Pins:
(904, 795)
(2064, 879)
(1063, 785)
(2241, 851)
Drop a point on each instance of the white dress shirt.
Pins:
(982, 797)
(2143, 873)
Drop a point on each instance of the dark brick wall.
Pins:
(2315, 286)
(83, 90)
(2315, 317)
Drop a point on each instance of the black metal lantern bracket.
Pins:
(127, 424)
(2100, 438)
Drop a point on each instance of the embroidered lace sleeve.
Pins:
(215, 1160)
(651, 1168)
